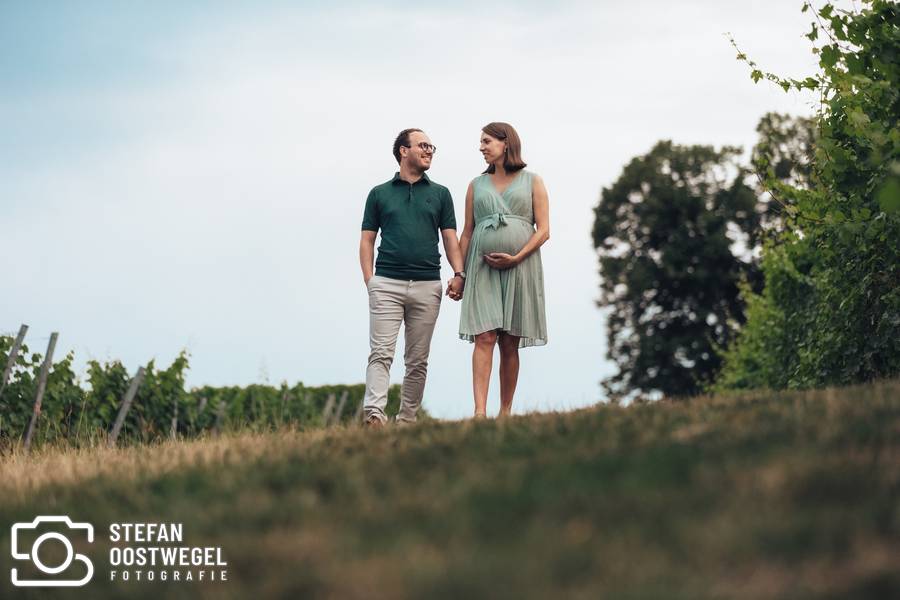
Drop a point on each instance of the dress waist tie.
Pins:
(494, 221)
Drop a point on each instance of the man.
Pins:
(409, 210)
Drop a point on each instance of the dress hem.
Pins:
(524, 341)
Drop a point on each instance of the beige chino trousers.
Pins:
(392, 302)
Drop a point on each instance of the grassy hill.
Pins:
(766, 495)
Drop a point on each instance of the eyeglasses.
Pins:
(426, 147)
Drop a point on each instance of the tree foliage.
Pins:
(783, 155)
(830, 311)
(673, 235)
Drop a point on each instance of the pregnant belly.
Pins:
(508, 239)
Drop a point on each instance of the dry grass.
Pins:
(24, 475)
(763, 495)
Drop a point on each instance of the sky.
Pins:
(178, 177)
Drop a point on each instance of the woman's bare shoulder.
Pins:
(533, 178)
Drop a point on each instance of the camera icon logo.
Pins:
(49, 570)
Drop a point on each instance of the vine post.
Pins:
(13, 354)
(42, 386)
(125, 406)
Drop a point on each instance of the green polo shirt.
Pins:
(409, 216)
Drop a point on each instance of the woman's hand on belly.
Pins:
(500, 260)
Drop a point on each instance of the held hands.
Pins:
(500, 260)
(455, 288)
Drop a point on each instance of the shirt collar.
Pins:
(397, 179)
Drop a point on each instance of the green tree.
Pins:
(673, 235)
(830, 312)
(782, 156)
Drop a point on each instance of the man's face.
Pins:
(419, 154)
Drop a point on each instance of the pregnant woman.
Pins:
(507, 221)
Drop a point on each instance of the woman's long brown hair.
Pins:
(512, 162)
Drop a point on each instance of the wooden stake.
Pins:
(80, 419)
(173, 432)
(336, 417)
(329, 406)
(284, 398)
(13, 354)
(42, 385)
(125, 406)
(359, 411)
(220, 414)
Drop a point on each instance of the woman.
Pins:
(507, 221)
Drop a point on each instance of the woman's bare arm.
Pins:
(469, 228)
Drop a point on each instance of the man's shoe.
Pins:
(374, 423)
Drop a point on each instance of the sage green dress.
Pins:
(511, 300)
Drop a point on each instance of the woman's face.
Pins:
(491, 148)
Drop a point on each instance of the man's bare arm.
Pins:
(367, 254)
(451, 249)
(455, 258)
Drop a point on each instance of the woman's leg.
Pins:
(482, 357)
(509, 371)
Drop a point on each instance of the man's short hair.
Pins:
(403, 140)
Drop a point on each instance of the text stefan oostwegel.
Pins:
(156, 552)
